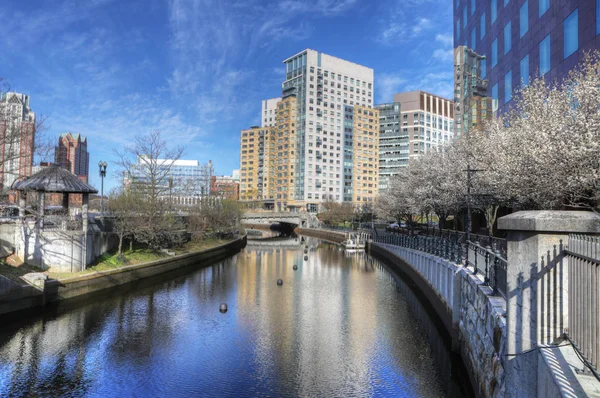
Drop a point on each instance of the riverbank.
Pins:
(333, 236)
(41, 292)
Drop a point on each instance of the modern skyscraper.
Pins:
(414, 124)
(324, 142)
(269, 108)
(17, 137)
(521, 38)
(393, 144)
(72, 154)
(324, 86)
(472, 106)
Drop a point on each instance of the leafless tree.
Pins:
(146, 166)
(22, 135)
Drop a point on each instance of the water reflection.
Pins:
(339, 326)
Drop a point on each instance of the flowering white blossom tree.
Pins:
(543, 153)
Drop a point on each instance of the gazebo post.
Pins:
(22, 203)
(40, 212)
(65, 202)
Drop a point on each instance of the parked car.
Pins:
(394, 225)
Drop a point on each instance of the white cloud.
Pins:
(445, 39)
(444, 55)
(388, 84)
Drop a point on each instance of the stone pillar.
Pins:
(537, 287)
(84, 219)
(40, 212)
(22, 203)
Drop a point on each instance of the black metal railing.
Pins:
(497, 244)
(583, 256)
(483, 259)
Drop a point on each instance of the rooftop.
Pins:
(54, 179)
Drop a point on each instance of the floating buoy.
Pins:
(295, 267)
(306, 247)
(305, 251)
(279, 282)
(305, 258)
(223, 308)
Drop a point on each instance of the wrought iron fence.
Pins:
(583, 255)
(484, 260)
(497, 244)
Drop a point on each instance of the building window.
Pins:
(508, 87)
(524, 69)
(473, 37)
(494, 52)
(545, 55)
(524, 18)
(493, 11)
(465, 17)
(571, 33)
(495, 97)
(598, 17)
(544, 5)
(507, 37)
(472, 6)
(483, 68)
(482, 26)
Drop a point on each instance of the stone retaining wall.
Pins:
(58, 290)
(337, 237)
(482, 333)
(470, 313)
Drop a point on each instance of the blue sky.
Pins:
(197, 69)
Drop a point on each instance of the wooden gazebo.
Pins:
(54, 179)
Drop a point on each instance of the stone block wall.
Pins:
(482, 333)
(478, 324)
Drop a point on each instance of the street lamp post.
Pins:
(102, 166)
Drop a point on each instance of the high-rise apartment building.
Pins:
(255, 151)
(17, 137)
(324, 85)
(393, 144)
(523, 38)
(71, 153)
(324, 142)
(269, 108)
(414, 124)
(472, 106)
(427, 119)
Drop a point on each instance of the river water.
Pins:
(342, 325)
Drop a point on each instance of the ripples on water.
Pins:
(340, 326)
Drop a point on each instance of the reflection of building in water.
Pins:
(314, 327)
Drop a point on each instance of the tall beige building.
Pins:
(268, 112)
(326, 137)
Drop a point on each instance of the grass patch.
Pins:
(110, 261)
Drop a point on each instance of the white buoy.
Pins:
(223, 308)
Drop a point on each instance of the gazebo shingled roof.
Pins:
(54, 179)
